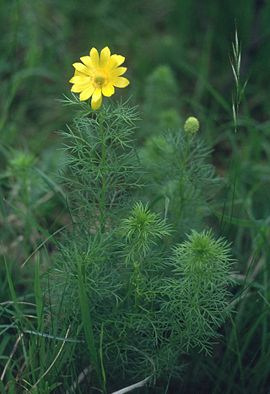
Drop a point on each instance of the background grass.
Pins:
(39, 42)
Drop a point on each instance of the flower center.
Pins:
(99, 80)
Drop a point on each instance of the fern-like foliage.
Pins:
(133, 300)
(198, 291)
(142, 229)
(102, 165)
(182, 182)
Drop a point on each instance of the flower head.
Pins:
(97, 75)
(191, 125)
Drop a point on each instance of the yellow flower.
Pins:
(97, 75)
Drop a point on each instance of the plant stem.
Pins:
(26, 202)
(102, 202)
(88, 328)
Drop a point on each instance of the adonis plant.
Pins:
(139, 281)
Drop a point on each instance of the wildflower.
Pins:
(97, 75)
(191, 125)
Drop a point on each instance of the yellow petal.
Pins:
(78, 88)
(78, 79)
(116, 60)
(81, 67)
(105, 55)
(76, 73)
(118, 71)
(120, 82)
(108, 90)
(87, 93)
(87, 61)
(94, 57)
(96, 105)
(96, 99)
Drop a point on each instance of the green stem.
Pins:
(181, 188)
(26, 202)
(88, 329)
(102, 202)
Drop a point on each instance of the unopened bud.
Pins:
(191, 125)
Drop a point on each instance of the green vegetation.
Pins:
(134, 247)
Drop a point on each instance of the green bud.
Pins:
(21, 162)
(191, 125)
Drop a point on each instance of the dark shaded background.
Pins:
(41, 39)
